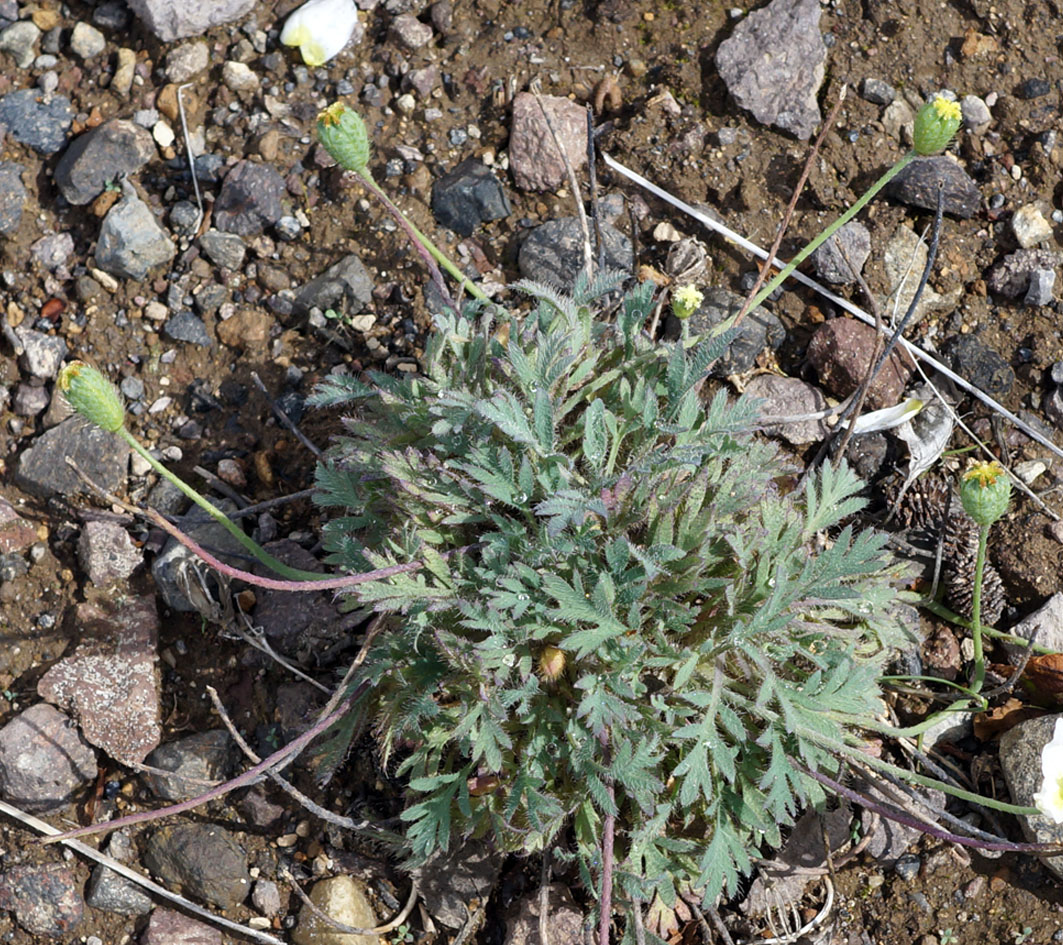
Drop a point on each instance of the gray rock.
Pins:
(43, 470)
(86, 41)
(789, 396)
(184, 218)
(202, 860)
(179, 19)
(187, 60)
(760, 329)
(43, 759)
(450, 880)
(226, 250)
(877, 92)
(106, 553)
(898, 120)
(131, 242)
(194, 759)
(917, 186)
(108, 683)
(410, 32)
(169, 927)
(12, 196)
(345, 286)
(250, 199)
(773, 65)
(53, 250)
(829, 260)
(904, 261)
(534, 158)
(112, 892)
(564, 919)
(553, 252)
(37, 121)
(976, 114)
(1030, 227)
(1042, 282)
(114, 149)
(1010, 277)
(29, 400)
(18, 40)
(46, 900)
(907, 867)
(188, 327)
(467, 196)
(1046, 622)
(976, 362)
(266, 897)
(286, 618)
(42, 354)
(1020, 760)
(111, 15)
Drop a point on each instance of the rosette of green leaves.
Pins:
(621, 519)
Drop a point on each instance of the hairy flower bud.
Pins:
(551, 663)
(935, 124)
(92, 395)
(985, 492)
(685, 301)
(343, 134)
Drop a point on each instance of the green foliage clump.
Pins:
(647, 623)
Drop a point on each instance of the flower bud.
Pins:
(935, 124)
(685, 301)
(551, 663)
(92, 395)
(343, 134)
(985, 492)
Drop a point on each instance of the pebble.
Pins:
(111, 15)
(833, 265)
(225, 250)
(29, 400)
(43, 471)
(163, 134)
(131, 243)
(1035, 88)
(773, 65)
(106, 553)
(789, 396)
(907, 866)
(467, 196)
(18, 40)
(917, 186)
(342, 898)
(345, 286)
(43, 759)
(1040, 291)
(170, 21)
(12, 196)
(53, 251)
(553, 251)
(86, 41)
(186, 61)
(46, 900)
(410, 32)
(841, 350)
(976, 114)
(169, 927)
(976, 362)
(100, 156)
(1030, 226)
(877, 92)
(112, 892)
(266, 897)
(36, 122)
(203, 860)
(1010, 277)
(239, 77)
(16, 534)
(184, 218)
(42, 354)
(534, 158)
(250, 199)
(125, 66)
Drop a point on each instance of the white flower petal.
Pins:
(888, 416)
(1049, 800)
(320, 28)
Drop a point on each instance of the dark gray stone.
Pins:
(829, 260)
(43, 759)
(205, 756)
(43, 471)
(1042, 282)
(877, 92)
(553, 252)
(1010, 277)
(46, 900)
(345, 286)
(106, 553)
(468, 196)
(250, 199)
(36, 121)
(188, 327)
(907, 866)
(760, 329)
(201, 860)
(789, 396)
(226, 250)
(112, 892)
(976, 362)
(115, 148)
(773, 65)
(917, 186)
(131, 242)
(12, 196)
(449, 880)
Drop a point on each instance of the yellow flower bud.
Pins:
(343, 134)
(685, 301)
(985, 492)
(935, 124)
(92, 395)
(551, 663)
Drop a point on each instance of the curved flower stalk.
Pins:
(96, 399)
(320, 28)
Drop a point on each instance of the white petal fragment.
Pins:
(887, 417)
(1049, 800)
(320, 28)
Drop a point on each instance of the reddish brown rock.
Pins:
(841, 351)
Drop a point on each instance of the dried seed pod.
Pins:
(959, 555)
(925, 504)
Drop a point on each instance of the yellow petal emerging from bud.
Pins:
(343, 134)
(985, 492)
(92, 396)
(685, 301)
(935, 124)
